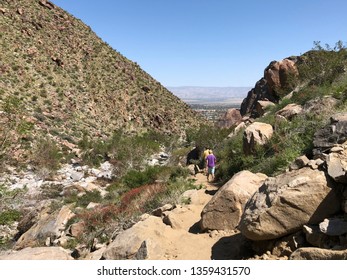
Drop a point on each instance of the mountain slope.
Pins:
(66, 81)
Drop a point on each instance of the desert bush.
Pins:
(322, 65)
(130, 150)
(7, 217)
(133, 178)
(84, 200)
(134, 201)
(46, 156)
(97, 217)
(128, 198)
(206, 136)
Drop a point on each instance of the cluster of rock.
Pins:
(278, 75)
(258, 133)
(155, 236)
(40, 224)
(68, 176)
(300, 214)
(43, 226)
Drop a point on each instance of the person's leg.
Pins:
(212, 173)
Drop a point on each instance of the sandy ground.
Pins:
(186, 241)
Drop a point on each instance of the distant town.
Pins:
(213, 112)
(211, 102)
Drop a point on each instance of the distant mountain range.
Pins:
(196, 94)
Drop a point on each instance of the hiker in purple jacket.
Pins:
(210, 165)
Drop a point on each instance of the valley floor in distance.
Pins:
(213, 110)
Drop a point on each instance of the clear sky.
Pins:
(211, 42)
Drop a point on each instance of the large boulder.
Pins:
(318, 254)
(287, 202)
(320, 105)
(225, 209)
(149, 233)
(279, 75)
(262, 105)
(38, 253)
(232, 117)
(290, 111)
(49, 226)
(256, 134)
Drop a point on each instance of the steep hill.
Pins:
(58, 77)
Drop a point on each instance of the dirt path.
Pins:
(186, 242)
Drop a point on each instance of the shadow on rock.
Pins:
(195, 229)
(235, 247)
(211, 192)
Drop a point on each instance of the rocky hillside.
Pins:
(284, 196)
(281, 174)
(58, 78)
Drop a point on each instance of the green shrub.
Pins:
(84, 200)
(46, 155)
(133, 178)
(129, 150)
(7, 217)
(178, 172)
(322, 65)
(207, 136)
(290, 140)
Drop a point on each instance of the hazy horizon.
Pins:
(201, 94)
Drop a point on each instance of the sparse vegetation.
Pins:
(134, 194)
(207, 136)
(321, 74)
(46, 157)
(79, 79)
(76, 97)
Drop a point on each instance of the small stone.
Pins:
(333, 227)
(77, 176)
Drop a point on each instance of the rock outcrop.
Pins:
(287, 202)
(277, 80)
(320, 105)
(232, 117)
(259, 92)
(278, 75)
(225, 209)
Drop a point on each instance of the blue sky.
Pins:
(211, 42)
